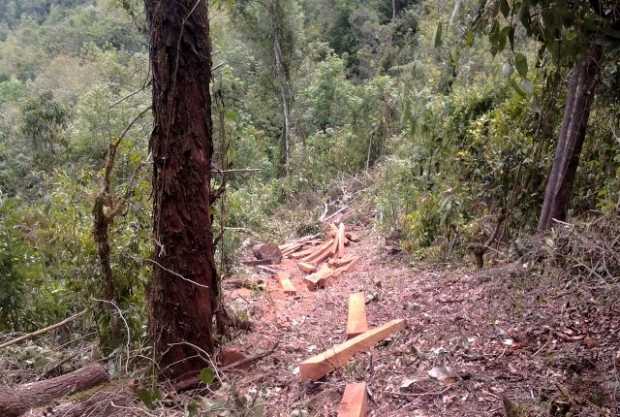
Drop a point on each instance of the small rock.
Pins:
(443, 374)
(267, 251)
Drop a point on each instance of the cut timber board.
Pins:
(341, 240)
(338, 262)
(356, 321)
(323, 363)
(306, 267)
(317, 252)
(317, 280)
(354, 401)
(285, 283)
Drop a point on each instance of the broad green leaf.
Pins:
(207, 376)
(521, 64)
(516, 87)
(438, 39)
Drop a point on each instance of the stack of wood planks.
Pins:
(322, 260)
(360, 338)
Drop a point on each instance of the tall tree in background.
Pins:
(268, 26)
(581, 91)
(575, 35)
(183, 294)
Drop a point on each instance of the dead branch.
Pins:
(43, 330)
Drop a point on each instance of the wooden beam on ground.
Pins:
(323, 363)
(285, 283)
(345, 268)
(306, 267)
(338, 262)
(354, 401)
(317, 280)
(332, 230)
(317, 252)
(341, 240)
(356, 320)
(302, 253)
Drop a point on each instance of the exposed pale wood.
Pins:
(323, 251)
(267, 269)
(346, 267)
(354, 401)
(338, 262)
(323, 363)
(306, 267)
(341, 240)
(43, 330)
(303, 253)
(356, 320)
(285, 283)
(292, 249)
(332, 231)
(317, 280)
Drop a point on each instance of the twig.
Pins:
(422, 394)
(43, 330)
(251, 359)
(176, 274)
(120, 313)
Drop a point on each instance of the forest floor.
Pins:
(500, 344)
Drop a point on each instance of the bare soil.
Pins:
(509, 342)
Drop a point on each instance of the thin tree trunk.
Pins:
(184, 290)
(581, 91)
(285, 94)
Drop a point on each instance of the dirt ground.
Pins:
(496, 343)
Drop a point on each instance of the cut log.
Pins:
(338, 262)
(321, 253)
(341, 240)
(356, 320)
(16, 401)
(354, 401)
(285, 282)
(345, 268)
(320, 365)
(303, 253)
(292, 249)
(306, 267)
(318, 279)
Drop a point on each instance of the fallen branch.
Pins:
(16, 401)
(43, 330)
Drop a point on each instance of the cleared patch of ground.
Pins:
(500, 339)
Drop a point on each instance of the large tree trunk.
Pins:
(16, 401)
(581, 90)
(183, 293)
